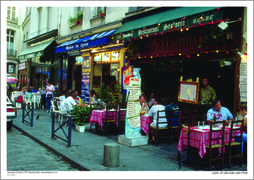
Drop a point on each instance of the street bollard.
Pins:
(111, 155)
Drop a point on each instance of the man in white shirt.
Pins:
(70, 102)
(153, 112)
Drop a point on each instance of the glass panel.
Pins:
(8, 7)
(79, 60)
(13, 14)
(115, 55)
(7, 31)
(12, 39)
(7, 38)
(93, 12)
(8, 12)
(13, 8)
(12, 33)
(106, 56)
(97, 57)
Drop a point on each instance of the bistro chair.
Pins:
(231, 144)
(174, 124)
(157, 129)
(109, 123)
(216, 135)
(121, 118)
(96, 106)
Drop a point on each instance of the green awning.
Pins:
(34, 51)
(176, 18)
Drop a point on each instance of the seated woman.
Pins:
(93, 95)
(170, 106)
(153, 112)
(243, 112)
(143, 104)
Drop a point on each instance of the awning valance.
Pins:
(34, 51)
(86, 42)
(170, 20)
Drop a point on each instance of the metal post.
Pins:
(23, 112)
(32, 114)
(69, 131)
(53, 125)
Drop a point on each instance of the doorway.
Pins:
(76, 78)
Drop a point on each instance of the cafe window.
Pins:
(11, 68)
(110, 56)
(78, 60)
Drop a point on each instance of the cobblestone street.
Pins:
(24, 154)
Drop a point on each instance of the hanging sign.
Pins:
(243, 82)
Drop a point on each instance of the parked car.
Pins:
(11, 113)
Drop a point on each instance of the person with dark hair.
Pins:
(69, 92)
(151, 101)
(62, 97)
(153, 112)
(75, 94)
(243, 112)
(218, 113)
(207, 95)
(29, 93)
(50, 89)
(93, 95)
(170, 106)
(143, 104)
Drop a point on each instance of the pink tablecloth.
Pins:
(99, 115)
(200, 139)
(145, 122)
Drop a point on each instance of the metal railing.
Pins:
(11, 52)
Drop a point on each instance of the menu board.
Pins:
(243, 82)
(97, 57)
(188, 92)
(132, 125)
(85, 87)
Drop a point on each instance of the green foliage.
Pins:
(131, 49)
(230, 59)
(71, 20)
(214, 35)
(110, 94)
(81, 115)
(79, 16)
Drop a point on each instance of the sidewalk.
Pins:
(87, 149)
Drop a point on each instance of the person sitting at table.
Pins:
(170, 106)
(93, 95)
(243, 112)
(151, 101)
(29, 93)
(23, 91)
(143, 104)
(62, 97)
(143, 94)
(153, 112)
(71, 102)
(218, 113)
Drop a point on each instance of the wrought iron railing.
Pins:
(14, 19)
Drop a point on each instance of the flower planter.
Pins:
(77, 22)
(80, 21)
(80, 128)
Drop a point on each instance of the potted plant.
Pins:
(101, 13)
(81, 117)
(72, 20)
(79, 17)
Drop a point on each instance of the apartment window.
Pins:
(11, 13)
(10, 40)
(11, 68)
(98, 12)
(131, 9)
(79, 9)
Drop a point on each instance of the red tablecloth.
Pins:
(200, 139)
(145, 122)
(99, 115)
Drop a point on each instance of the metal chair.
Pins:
(121, 118)
(174, 119)
(160, 114)
(111, 118)
(231, 144)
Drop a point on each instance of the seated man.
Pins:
(218, 113)
(70, 102)
(153, 112)
(171, 106)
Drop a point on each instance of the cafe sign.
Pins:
(22, 66)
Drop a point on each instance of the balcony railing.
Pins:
(11, 52)
(13, 19)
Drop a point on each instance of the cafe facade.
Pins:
(188, 42)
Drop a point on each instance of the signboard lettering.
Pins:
(22, 66)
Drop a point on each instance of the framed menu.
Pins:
(115, 55)
(188, 92)
(106, 56)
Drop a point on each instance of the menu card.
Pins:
(133, 108)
